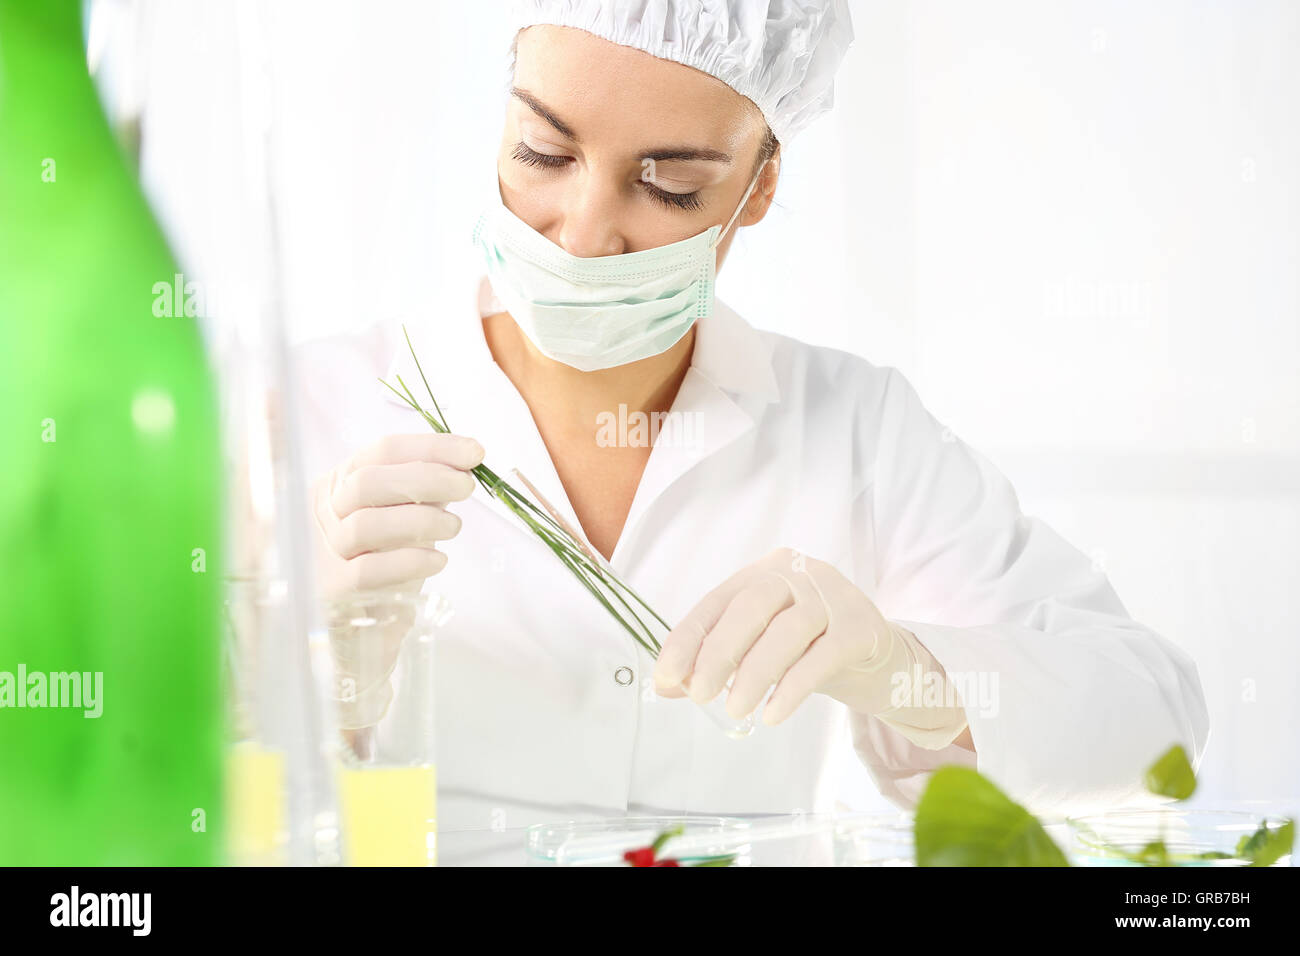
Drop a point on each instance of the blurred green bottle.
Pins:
(109, 487)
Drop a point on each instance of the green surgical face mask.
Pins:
(602, 311)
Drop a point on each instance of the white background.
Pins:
(1073, 226)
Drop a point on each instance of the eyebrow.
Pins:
(662, 154)
(687, 152)
(542, 110)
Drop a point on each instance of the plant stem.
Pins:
(597, 578)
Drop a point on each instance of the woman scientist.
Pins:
(860, 578)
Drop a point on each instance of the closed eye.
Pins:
(673, 200)
(525, 154)
(530, 157)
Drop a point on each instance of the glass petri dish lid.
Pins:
(603, 842)
(1190, 837)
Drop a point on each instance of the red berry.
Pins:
(645, 856)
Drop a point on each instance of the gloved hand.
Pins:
(379, 516)
(381, 512)
(798, 623)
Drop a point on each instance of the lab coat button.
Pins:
(623, 676)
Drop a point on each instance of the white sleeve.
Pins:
(1068, 699)
(340, 401)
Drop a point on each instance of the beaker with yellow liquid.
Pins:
(383, 649)
(279, 798)
(256, 801)
(389, 815)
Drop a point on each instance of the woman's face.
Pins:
(609, 150)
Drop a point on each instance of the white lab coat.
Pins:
(796, 446)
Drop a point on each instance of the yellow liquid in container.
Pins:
(389, 815)
(255, 796)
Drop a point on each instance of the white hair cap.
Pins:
(782, 54)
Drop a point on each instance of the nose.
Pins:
(589, 222)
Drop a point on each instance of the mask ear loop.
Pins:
(743, 199)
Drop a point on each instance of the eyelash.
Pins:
(530, 157)
(689, 201)
(523, 153)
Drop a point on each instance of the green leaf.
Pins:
(1172, 775)
(716, 861)
(964, 820)
(441, 417)
(1267, 845)
(1154, 853)
(664, 837)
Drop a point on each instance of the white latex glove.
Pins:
(380, 513)
(798, 623)
(379, 516)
